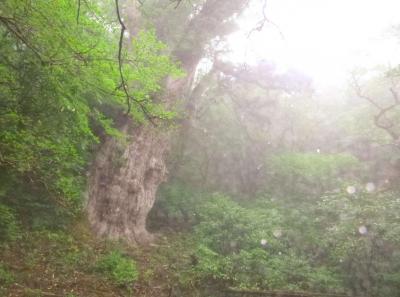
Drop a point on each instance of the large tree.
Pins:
(125, 177)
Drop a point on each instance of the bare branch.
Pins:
(358, 90)
(10, 24)
(120, 44)
(178, 2)
(388, 125)
(123, 81)
(260, 25)
(395, 95)
(78, 11)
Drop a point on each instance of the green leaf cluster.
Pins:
(121, 270)
(60, 90)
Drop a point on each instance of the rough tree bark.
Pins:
(124, 179)
(123, 183)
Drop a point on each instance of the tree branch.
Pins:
(10, 24)
(120, 63)
(78, 11)
(120, 44)
(388, 126)
(178, 2)
(260, 25)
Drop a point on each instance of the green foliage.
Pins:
(45, 129)
(309, 173)
(60, 90)
(311, 165)
(361, 232)
(6, 277)
(148, 67)
(178, 204)
(118, 268)
(57, 258)
(9, 228)
(247, 247)
(316, 246)
(57, 77)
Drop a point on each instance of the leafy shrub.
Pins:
(315, 246)
(6, 277)
(247, 247)
(118, 268)
(361, 232)
(8, 224)
(178, 204)
(308, 173)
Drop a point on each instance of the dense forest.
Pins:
(140, 157)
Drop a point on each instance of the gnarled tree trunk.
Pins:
(123, 183)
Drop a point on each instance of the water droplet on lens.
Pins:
(370, 187)
(351, 189)
(362, 230)
(277, 233)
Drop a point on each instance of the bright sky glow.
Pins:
(323, 38)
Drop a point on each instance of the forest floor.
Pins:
(63, 263)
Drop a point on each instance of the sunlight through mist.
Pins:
(323, 39)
